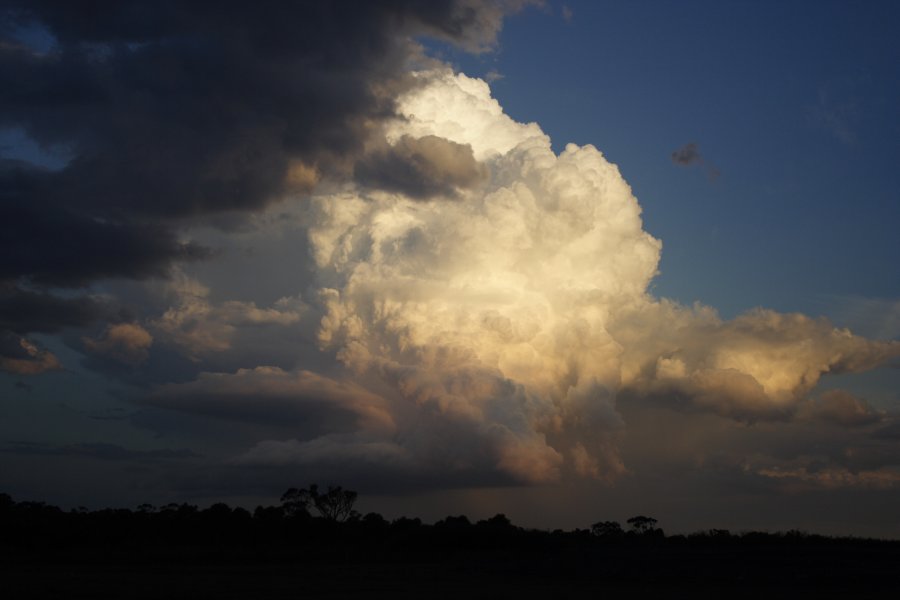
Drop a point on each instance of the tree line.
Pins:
(324, 520)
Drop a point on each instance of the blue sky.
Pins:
(794, 103)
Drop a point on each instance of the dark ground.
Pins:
(179, 551)
(660, 572)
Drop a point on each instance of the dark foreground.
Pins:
(665, 573)
(220, 553)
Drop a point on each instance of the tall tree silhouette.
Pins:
(334, 505)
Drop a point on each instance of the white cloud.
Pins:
(757, 366)
(519, 311)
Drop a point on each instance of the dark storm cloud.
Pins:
(421, 167)
(50, 240)
(270, 396)
(29, 311)
(33, 311)
(186, 108)
(174, 110)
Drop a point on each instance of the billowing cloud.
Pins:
(760, 365)
(512, 316)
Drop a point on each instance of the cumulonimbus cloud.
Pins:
(518, 311)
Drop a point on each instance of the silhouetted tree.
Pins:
(334, 505)
(406, 524)
(295, 502)
(641, 524)
(498, 521)
(451, 522)
(607, 529)
(269, 513)
(373, 519)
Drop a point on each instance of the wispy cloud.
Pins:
(689, 155)
(838, 117)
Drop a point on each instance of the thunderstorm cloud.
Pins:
(495, 327)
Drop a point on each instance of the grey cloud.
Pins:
(421, 167)
(271, 396)
(687, 155)
(371, 466)
(796, 454)
(325, 426)
(127, 343)
(830, 478)
(23, 311)
(839, 407)
(101, 451)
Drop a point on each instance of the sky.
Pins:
(568, 261)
